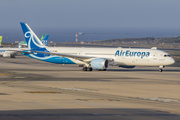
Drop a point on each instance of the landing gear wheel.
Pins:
(160, 70)
(89, 69)
(12, 56)
(103, 69)
(84, 68)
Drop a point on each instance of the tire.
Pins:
(89, 69)
(12, 56)
(84, 68)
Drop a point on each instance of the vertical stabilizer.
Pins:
(45, 40)
(42, 36)
(33, 42)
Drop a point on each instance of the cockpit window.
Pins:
(167, 56)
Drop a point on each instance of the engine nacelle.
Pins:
(6, 55)
(99, 63)
(126, 66)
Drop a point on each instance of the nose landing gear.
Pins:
(161, 68)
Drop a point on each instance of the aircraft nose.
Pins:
(172, 61)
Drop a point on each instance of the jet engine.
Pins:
(6, 55)
(99, 63)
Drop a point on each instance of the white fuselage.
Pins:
(120, 56)
(7, 52)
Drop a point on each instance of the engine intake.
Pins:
(99, 63)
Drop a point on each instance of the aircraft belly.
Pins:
(137, 61)
(146, 62)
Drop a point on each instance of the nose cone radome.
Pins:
(172, 61)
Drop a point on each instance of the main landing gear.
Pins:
(12, 56)
(161, 68)
(87, 68)
(90, 69)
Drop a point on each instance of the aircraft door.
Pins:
(155, 55)
(161, 59)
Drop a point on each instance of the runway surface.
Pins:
(32, 89)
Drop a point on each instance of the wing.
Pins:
(19, 50)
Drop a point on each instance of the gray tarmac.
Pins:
(32, 89)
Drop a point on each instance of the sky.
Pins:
(90, 14)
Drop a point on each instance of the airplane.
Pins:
(23, 43)
(1, 40)
(94, 58)
(11, 52)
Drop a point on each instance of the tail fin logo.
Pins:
(32, 43)
(44, 42)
